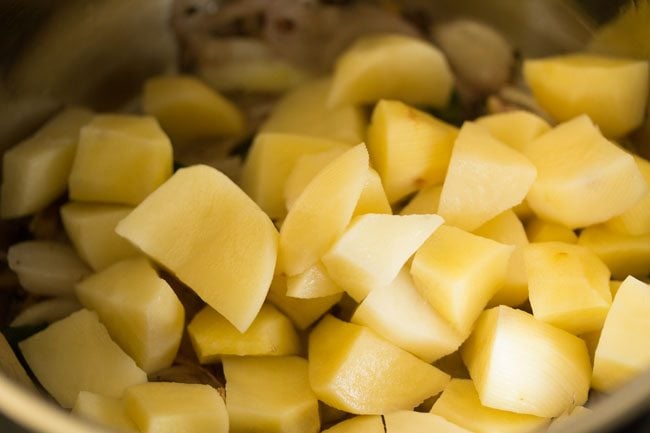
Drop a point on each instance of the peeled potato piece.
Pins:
(106, 411)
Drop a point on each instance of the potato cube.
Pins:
(405, 421)
(391, 66)
(580, 174)
(522, 365)
(623, 350)
(374, 248)
(91, 229)
(106, 411)
(46, 311)
(408, 148)
(485, 177)
(458, 273)
(35, 171)
(398, 313)
(189, 110)
(373, 197)
(139, 309)
(539, 230)
(314, 282)
(385, 377)
(270, 395)
(120, 159)
(514, 128)
(67, 356)
(460, 404)
(568, 285)
(271, 333)
(611, 91)
(163, 407)
(200, 218)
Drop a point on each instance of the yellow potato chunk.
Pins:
(269, 163)
(141, 312)
(106, 411)
(91, 229)
(353, 369)
(270, 395)
(120, 159)
(569, 286)
(373, 197)
(539, 230)
(200, 218)
(302, 312)
(485, 177)
(623, 351)
(163, 407)
(426, 201)
(77, 354)
(35, 171)
(522, 365)
(189, 110)
(374, 248)
(304, 111)
(514, 128)
(408, 148)
(582, 178)
(391, 66)
(323, 210)
(623, 254)
(271, 333)
(398, 313)
(405, 421)
(507, 229)
(611, 91)
(315, 282)
(460, 404)
(458, 273)
(46, 311)
(359, 424)
(636, 219)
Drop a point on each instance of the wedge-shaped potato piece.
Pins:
(302, 312)
(623, 254)
(200, 218)
(636, 219)
(460, 404)
(426, 201)
(405, 421)
(359, 424)
(35, 171)
(409, 148)
(68, 356)
(623, 350)
(271, 333)
(374, 248)
(270, 395)
(514, 128)
(398, 313)
(189, 110)
(91, 229)
(582, 178)
(120, 159)
(304, 111)
(507, 229)
(568, 285)
(162, 407)
(539, 230)
(458, 273)
(391, 66)
(611, 91)
(47, 311)
(520, 364)
(315, 282)
(353, 369)
(373, 197)
(485, 178)
(139, 309)
(323, 210)
(270, 162)
(106, 411)
(46, 267)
